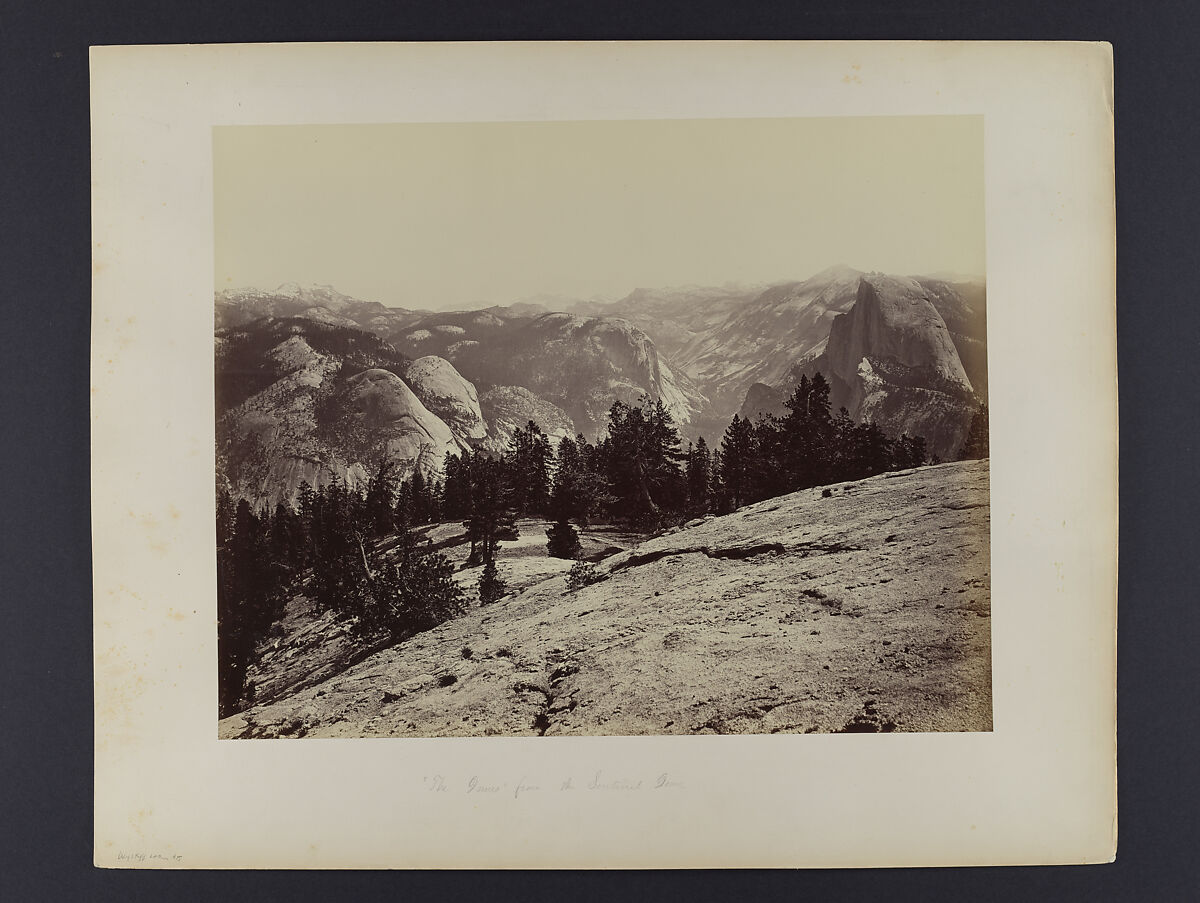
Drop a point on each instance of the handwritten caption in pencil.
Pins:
(140, 857)
(524, 786)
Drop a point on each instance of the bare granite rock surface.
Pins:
(867, 609)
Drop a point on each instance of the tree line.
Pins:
(351, 551)
(358, 554)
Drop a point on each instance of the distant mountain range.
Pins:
(313, 383)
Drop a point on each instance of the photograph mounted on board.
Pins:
(602, 428)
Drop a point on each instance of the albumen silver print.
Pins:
(602, 428)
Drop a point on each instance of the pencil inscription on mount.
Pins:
(690, 510)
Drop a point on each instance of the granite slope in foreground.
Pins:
(864, 610)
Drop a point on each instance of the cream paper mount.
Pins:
(1039, 787)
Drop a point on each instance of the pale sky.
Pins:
(473, 214)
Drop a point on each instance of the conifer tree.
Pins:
(453, 502)
(643, 457)
(773, 465)
(379, 501)
(283, 536)
(528, 465)
(737, 461)
(976, 444)
(562, 540)
(246, 600)
(807, 433)
(699, 476)
(491, 519)
(908, 451)
(305, 504)
(874, 448)
(491, 587)
(579, 492)
(419, 490)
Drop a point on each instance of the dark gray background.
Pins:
(45, 621)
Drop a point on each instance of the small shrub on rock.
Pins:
(583, 574)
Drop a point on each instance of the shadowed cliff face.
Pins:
(445, 393)
(763, 401)
(725, 340)
(893, 320)
(892, 359)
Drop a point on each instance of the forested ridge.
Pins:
(361, 554)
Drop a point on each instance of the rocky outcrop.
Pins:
(963, 307)
(506, 408)
(445, 393)
(300, 401)
(579, 364)
(763, 401)
(867, 609)
(893, 320)
(892, 359)
(727, 340)
(623, 360)
(389, 411)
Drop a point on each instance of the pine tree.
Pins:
(282, 536)
(305, 503)
(976, 444)
(578, 490)
(807, 435)
(435, 494)
(415, 594)
(908, 451)
(874, 448)
(772, 464)
(699, 476)
(843, 448)
(491, 587)
(337, 569)
(562, 540)
(567, 467)
(246, 600)
(453, 504)
(402, 522)
(421, 507)
(737, 461)
(643, 457)
(379, 501)
(528, 466)
(491, 518)
(818, 398)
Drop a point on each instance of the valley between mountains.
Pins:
(735, 509)
(908, 353)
